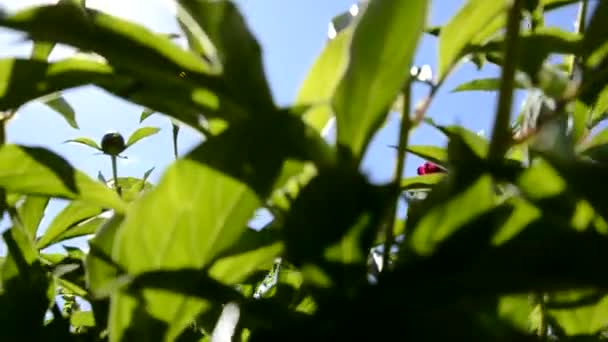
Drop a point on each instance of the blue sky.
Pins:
(292, 33)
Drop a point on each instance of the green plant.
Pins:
(507, 244)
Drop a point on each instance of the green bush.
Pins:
(504, 239)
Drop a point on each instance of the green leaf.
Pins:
(31, 213)
(58, 103)
(477, 143)
(437, 155)
(141, 133)
(235, 268)
(444, 219)
(472, 24)
(600, 108)
(222, 192)
(42, 50)
(321, 81)
(131, 187)
(124, 44)
(484, 84)
(73, 214)
(82, 319)
(595, 40)
(37, 171)
(145, 114)
(101, 269)
(381, 53)
(85, 141)
(237, 50)
(27, 80)
(587, 319)
(536, 47)
(27, 289)
(421, 182)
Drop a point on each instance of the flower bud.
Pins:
(113, 144)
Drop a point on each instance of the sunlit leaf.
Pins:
(585, 319)
(101, 269)
(421, 182)
(82, 319)
(322, 78)
(141, 133)
(221, 190)
(74, 213)
(145, 114)
(58, 103)
(31, 213)
(445, 218)
(434, 154)
(381, 53)
(483, 84)
(85, 141)
(467, 27)
(237, 49)
(121, 42)
(37, 171)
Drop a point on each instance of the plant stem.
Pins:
(175, 133)
(543, 329)
(115, 175)
(501, 134)
(404, 133)
(579, 28)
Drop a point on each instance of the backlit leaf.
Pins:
(85, 141)
(141, 133)
(61, 106)
(469, 25)
(381, 53)
(73, 214)
(31, 213)
(37, 171)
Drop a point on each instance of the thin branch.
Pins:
(404, 133)
(501, 133)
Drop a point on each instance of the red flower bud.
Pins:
(428, 168)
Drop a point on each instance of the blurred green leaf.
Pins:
(101, 269)
(141, 133)
(123, 43)
(237, 49)
(536, 47)
(42, 50)
(145, 114)
(484, 84)
(421, 182)
(74, 213)
(82, 319)
(27, 289)
(37, 171)
(472, 24)
(31, 213)
(444, 219)
(476, 142)
(586, 319)
(434, 154)
(27, 80)
(58, 103)
(321, 81)
(595, 40)
(86, 227)
(225, 190)
(600, 108)
(381, 52)
(85, 141)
